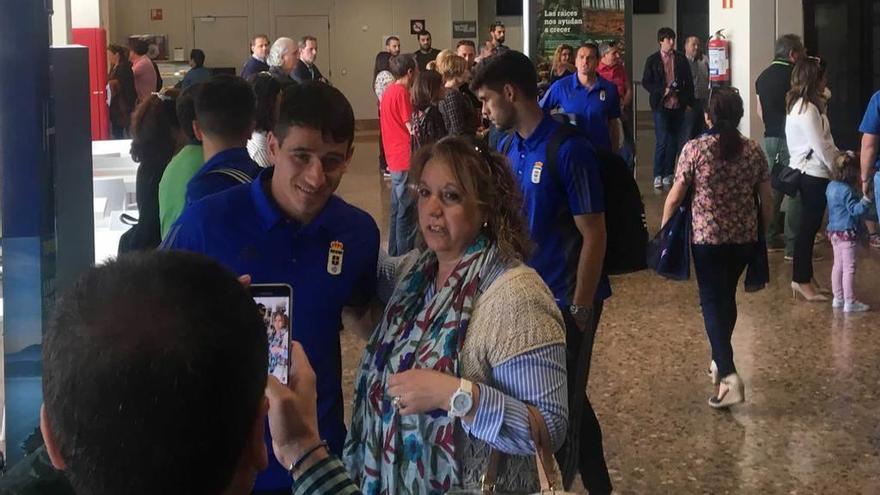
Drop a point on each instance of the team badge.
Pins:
(602, 95)
(536, 172)
(334, 258)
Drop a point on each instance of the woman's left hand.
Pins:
(421, 390)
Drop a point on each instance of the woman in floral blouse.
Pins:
(723, 172)
(470, 335)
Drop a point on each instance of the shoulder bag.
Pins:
(669, 253)
(547, 473)
(785, 179)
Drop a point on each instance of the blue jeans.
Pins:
(877, 192)
(718, 270)
(668, 126)
(401, 234)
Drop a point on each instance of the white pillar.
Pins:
(750, 25)
(61, 22)
(85, 13)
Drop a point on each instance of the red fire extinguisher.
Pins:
(719, 60)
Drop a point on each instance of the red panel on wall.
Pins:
(96, 41)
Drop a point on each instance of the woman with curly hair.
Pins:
(469, 337)
(562, 63)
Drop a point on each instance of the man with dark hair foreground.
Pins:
(284, 227)
(155, 382)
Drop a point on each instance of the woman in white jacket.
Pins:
(812, 149)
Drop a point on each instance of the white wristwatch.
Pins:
(462, 400)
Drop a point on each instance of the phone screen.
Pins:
(275, 304)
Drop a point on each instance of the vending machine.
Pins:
(95, 39)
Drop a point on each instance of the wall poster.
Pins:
(576, 21)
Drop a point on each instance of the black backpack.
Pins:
(625, 224)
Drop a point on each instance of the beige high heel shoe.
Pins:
(796, 291)
(734, 393)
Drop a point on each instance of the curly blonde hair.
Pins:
(450, 65)
(557, 57)
(486, 178)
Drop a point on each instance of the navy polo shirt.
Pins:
(209, 181)
(552, 200)
(871, 122)
(245, 230)
(592, 108)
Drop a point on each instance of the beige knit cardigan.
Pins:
(514, 315)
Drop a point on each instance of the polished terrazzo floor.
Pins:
(811, 421)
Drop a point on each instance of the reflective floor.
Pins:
(811, 421)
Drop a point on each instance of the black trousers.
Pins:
(383, 163)
(813, 203)
(719, 268)
(591, 455)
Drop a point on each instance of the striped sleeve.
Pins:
(326, 477)
(537, 377)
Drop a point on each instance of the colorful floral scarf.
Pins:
(387, 453)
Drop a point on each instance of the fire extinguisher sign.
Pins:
(718, 63)
(719, 58)
(726, 4)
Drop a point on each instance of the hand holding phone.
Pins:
(293, 417)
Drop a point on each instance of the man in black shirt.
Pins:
(425, 53)
(496, 36)
(305, 69)
(771, 88)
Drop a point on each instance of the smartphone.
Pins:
(275, 303)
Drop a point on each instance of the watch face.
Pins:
(461, 403)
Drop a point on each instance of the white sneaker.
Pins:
(855, 307)
(658, 182)
(667, 181)
(836, 303)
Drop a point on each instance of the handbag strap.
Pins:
(543, 456)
